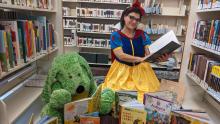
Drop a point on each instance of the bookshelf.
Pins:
(202, 84)
(208, 10)
(102, 18)
(93, 2)
(198, 93)
(206, 49)
(87, 32)
(24, 8)
(17, 97)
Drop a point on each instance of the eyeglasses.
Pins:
(134, 18)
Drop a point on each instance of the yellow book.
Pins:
(132, 116)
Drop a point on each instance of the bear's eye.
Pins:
(79, 74)
(70, 76)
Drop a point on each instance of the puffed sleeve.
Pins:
(115, 41)
(146, 39)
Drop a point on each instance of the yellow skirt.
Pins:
(140, 78)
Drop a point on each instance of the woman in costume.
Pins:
(129, 46)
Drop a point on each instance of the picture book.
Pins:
(158, 109)
(189, 117)
(164, 45)
(132, 113)
(123, 97)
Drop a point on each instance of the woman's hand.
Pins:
(140, 59)
(164, 57)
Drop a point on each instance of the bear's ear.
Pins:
(85, 66)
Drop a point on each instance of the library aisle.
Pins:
(109, 61)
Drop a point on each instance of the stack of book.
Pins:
(207, 70)
(208, 4)
(22, 40)
(42, 4)
(97, 12)
(93, 42)
(71, 39)
(207, 34)
(91, 27)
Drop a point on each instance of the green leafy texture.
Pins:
(59, 98)
(49, 111)
(106, 101)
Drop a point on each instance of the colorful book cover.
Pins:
(158, 110)
(43, 24)
(11, 26)
(73, 110)
(3, 53)
(122, 97)
(189, 117)
(10, 50)
(130, 115)
(22, 40)
(89, 120)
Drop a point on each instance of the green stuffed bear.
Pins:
(69, 79)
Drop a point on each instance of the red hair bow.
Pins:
(137, 4)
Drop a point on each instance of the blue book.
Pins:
(22, 39)
(43, 24)
(216, 32)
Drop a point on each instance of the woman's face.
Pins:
(132, 20)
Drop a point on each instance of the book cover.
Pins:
(43, 23)
(3, 52)
(165, 44)
(11, 26)
(89, 120)
(22, 40)
(189, 117)
(131, 114)
(123, 97)
(158, 109)
(73, 110)
(10, 50)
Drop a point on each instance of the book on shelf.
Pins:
(42, 4)
(4, 52)
(97, 12)
(207, 34)
(189, 117)
(164, 45)
(23, 39)
(215, 80)
(203, 68)
(91, 27)
(93, 42)
(132, 112)
(158, 109)
(208, 4)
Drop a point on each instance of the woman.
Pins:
(129, 71)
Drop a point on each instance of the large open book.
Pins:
(165, 44)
